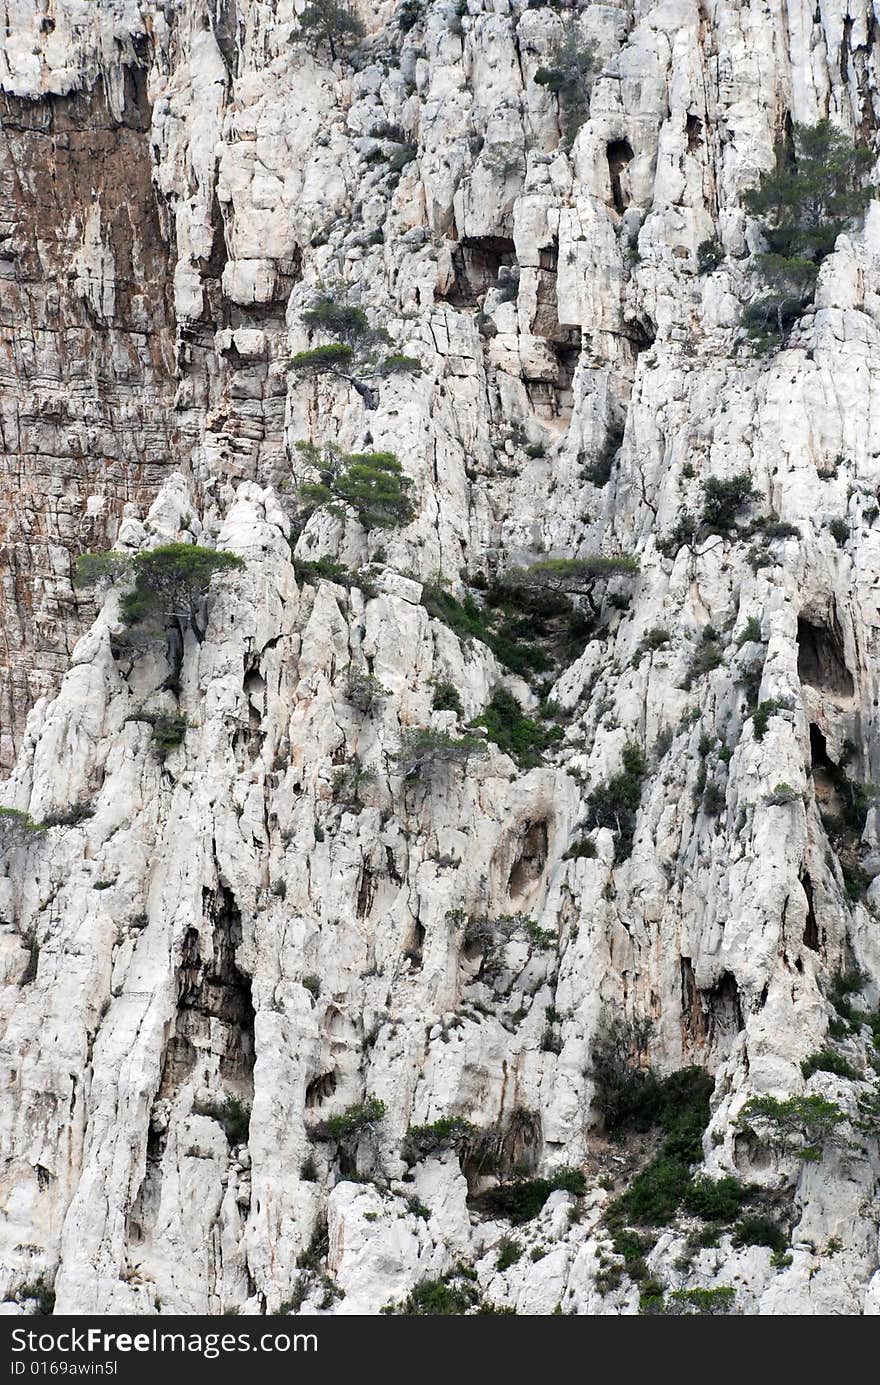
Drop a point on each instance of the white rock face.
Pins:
(214, 952)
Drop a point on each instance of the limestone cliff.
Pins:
(243, 919)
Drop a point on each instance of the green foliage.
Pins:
(782, 794)
(325, 569)
(452, 1295)
(750, 633)
(716, 1199)
(710, 254)
(679, 1106)
(170, 582)
(801, 1124)
(423, 749)
(313, 985)
(446, 698)
(397, 363)
(332, 357)
(760, 1230)
(571, 64)
(828, 1060)
(519, 736)
(69, 817)
(584, 848)
(359, 351)
(761, 717)
(509, 1251)
(40, 1293)
(370, 483)
(354, 1120)
(615, 805)
(815, 191)
(839, 530)
(722, 503)
(169, 729)
(18, 829)
(522, 1199)
(233, 1114)
(364, 690)
(337, 319)
(448, 1132)
(571, 576)
(467, 621)
(707, 1302)
(329, 24)
(416, 1208)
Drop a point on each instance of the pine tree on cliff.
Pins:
(329, 24)
(816, 191)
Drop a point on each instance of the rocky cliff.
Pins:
(250, 978)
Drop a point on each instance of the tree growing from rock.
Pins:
(422, 749)
(170, 582)
(18, 829)
(357, 351)
(571, 64)
(570, 576)
(330, 25)
(815, 191)
(370, 483)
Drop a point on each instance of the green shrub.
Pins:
(615, 805)
(709, 1302)
(364, 690)
(782, 795)
(522, 1199)
(760, 1230)
(446, 698)
(40, 1292)
(416, 1208)
(839, 530)
(750, 633)
(170, 582)
(360, 351)
(723, 501)
(230, 1112)
(827, 1060)
(355, 1120)
(452, 1295)
(519, 736)
(509, 1252)
(679, 1106)
(467, 621)
(716, 1199)
(449, 1132)
(761, 717)
(710, 254)
(583, 849)
(169, 729)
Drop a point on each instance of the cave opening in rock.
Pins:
(530, 860)
(811, 926)
(821, 659)
(477, 262)
(620, 154)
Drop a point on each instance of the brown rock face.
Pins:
(87, 365)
